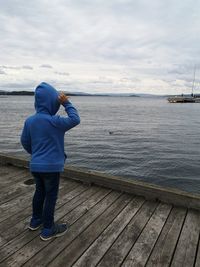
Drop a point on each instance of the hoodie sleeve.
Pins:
(26, 139)
(73, 119)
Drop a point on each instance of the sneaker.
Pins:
(56, 231)
(35, 224)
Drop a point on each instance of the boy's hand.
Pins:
(62, 98)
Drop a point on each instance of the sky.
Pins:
(100, 46)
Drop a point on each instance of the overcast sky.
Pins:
(136, 46)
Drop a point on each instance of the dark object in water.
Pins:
(110, 132)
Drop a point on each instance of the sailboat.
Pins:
(186, 99)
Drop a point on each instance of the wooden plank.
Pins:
(9, 167)
(8, 209)
(82, 238)
(120, 248)
(18, 222)
(10, 171)
(187, 244)
(164, 248)
(11, 232)
(77, 188)
(25, 237)
(49, 249)
(5, 170)
(141, 250)
(2, 241)
(14, 191)
(21, 201)
(14, 177)
(15, 205)
(7, 160)
(17, 179)
(136, 187)
(95, 252)
(82, 209)
(72, 252)
(73, 216)
(7, 205)
(149, 191)
(22, 218)
(197, 263)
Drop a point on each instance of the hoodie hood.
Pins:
(46, 99)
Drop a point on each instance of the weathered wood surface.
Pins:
(187, 244)
(107, 228)
(165, 246)
(22, 238)
(99, 247)
(122, 245)
(141, 250)
(133, 186)
(197, 263)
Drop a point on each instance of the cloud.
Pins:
(11, 67)
(62, 73)
(46, 66)
(2, 72)
(28, 86)
(149, 41)
(27, 67)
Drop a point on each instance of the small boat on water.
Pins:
(187, 98)
(184, 99)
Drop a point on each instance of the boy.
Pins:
(43, 138)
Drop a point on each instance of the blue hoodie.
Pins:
(43, 133)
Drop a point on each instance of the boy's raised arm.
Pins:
(73, 119)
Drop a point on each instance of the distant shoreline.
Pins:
(30, 93)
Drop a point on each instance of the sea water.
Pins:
(140, 138)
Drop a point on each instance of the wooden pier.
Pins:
(113, 222)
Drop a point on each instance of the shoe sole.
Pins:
(33, 229)
(53, 236)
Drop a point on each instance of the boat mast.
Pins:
(193, 80)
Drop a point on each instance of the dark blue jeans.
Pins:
(45, 196)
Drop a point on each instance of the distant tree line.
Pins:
(29, 93)
(67, 93)
(16, 93)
